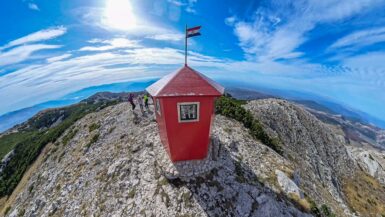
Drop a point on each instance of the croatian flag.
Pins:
(191, 32)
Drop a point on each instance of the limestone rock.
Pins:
(123, 173)
(287, 185)
(127, 172)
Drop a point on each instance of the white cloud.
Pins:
(38, 83)
(22, 53)
(277, 31)
(41, 35)
(191, 6)
(361, 38)
(58, 58)
(55, 79)
(33, 6)
(268, 36)
(111, 44)
(367, 62)
(176, 2)
(188, 4)
(191, 10)
(22, 48)
(167, 37)
(230, 20)
(95, 40)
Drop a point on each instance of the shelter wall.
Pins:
(160, 118)
(187, 140)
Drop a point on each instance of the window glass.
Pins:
(188, 112)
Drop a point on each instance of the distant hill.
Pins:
(246, 94)
(310, 100)
(10, 119)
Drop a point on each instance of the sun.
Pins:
(118, 14)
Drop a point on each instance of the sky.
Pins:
(330, 48)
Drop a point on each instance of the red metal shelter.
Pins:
(184, 107)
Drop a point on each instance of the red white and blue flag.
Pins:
(194, 31)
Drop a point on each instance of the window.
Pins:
(188, 111)
(157, 106)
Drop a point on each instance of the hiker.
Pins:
(131, 100)
(140, 102)
(146, 100)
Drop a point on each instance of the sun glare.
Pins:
(119, 14)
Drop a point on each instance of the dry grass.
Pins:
(288, 171)
(3, 202)
(304, 203)
(365, 195)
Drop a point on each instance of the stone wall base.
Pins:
(187, 169)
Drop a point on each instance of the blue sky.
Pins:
(331, 48)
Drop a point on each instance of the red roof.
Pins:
(185, 82)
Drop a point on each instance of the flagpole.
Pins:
(185, 46)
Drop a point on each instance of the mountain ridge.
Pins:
(313, 174)
(355, 130)
(296, 96)
(10, 119)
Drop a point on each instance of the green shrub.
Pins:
(30, 188)
(240, 176)
(8, 142)
(314, 209)
(111, 129)
(93, 140)
(232, 108)
(326, 211)
(93, 127)
(70, 135)
(371, 157)
(7, 210)
(21, 212)
(323, 211)
(132, 193)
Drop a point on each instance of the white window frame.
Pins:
(188, 103)
(157, 106)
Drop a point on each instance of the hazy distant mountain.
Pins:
(10, 119)
(309, 100)
(246, 94)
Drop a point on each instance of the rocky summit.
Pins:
(111, 163)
